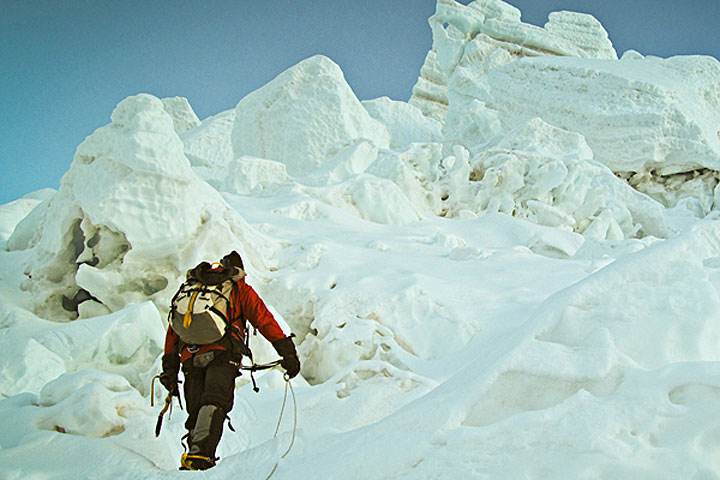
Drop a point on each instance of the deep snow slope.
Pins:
(491, 280)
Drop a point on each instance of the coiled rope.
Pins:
(288, 385)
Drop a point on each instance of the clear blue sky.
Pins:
(64, 64)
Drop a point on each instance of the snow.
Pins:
(182, 114)
(490, 281)
(271, 123)
(483, 35)
(209, 149)
(16, 211)
(654, 116)
(405, 123)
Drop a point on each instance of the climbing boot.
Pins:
(195, 462)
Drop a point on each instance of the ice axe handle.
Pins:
(158, 426)
(168, 403)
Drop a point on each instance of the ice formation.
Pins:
(182, 114)
(652, 121)
(130, 216)
(474, 39)
(209, 149)
(525, 256)
(14, 212)
(658, 115)
(300, 115)
(405, 123)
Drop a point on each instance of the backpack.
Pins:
(200, 310)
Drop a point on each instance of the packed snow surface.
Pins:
(515, 274)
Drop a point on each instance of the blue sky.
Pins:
(64, 65)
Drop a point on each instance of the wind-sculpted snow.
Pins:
(523, 283)
(300, 115)
(637, 115)
(648, 119)
(209, 147)
(548, 175)
(405, 123)
(485, 34)
(129, 217)
(182, 114)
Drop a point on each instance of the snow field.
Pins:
(476, 291)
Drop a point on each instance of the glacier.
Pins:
(514, 274)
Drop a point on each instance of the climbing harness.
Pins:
(168, 405)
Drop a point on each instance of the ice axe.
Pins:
(168, 405)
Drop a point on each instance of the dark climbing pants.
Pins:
(209, 393)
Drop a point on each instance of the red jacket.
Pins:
(245, 303)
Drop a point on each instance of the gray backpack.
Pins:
(200, 310)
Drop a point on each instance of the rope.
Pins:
(277, 428)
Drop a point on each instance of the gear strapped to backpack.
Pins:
(200, 310)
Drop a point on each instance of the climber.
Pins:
(210, 366)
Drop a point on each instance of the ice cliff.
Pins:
(652, 121)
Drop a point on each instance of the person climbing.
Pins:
(211, 362)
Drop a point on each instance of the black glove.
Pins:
(169, 375)
(290, 361)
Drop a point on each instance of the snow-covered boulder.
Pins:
(89, 403)
(485, 34)
(181, 112)
(405, 123)
(300, 115)
(130, 216)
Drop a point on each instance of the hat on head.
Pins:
(232, 259)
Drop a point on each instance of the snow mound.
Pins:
(130, 216)
(27, 366)
(494, 277)
(472, 40)
(603, 308)
(89, 403)
(125, 343)
(371, 198)
(345, 164)
(594, 335)
(12, 213)
(300, 115)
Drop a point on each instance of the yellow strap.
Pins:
(188, 315)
